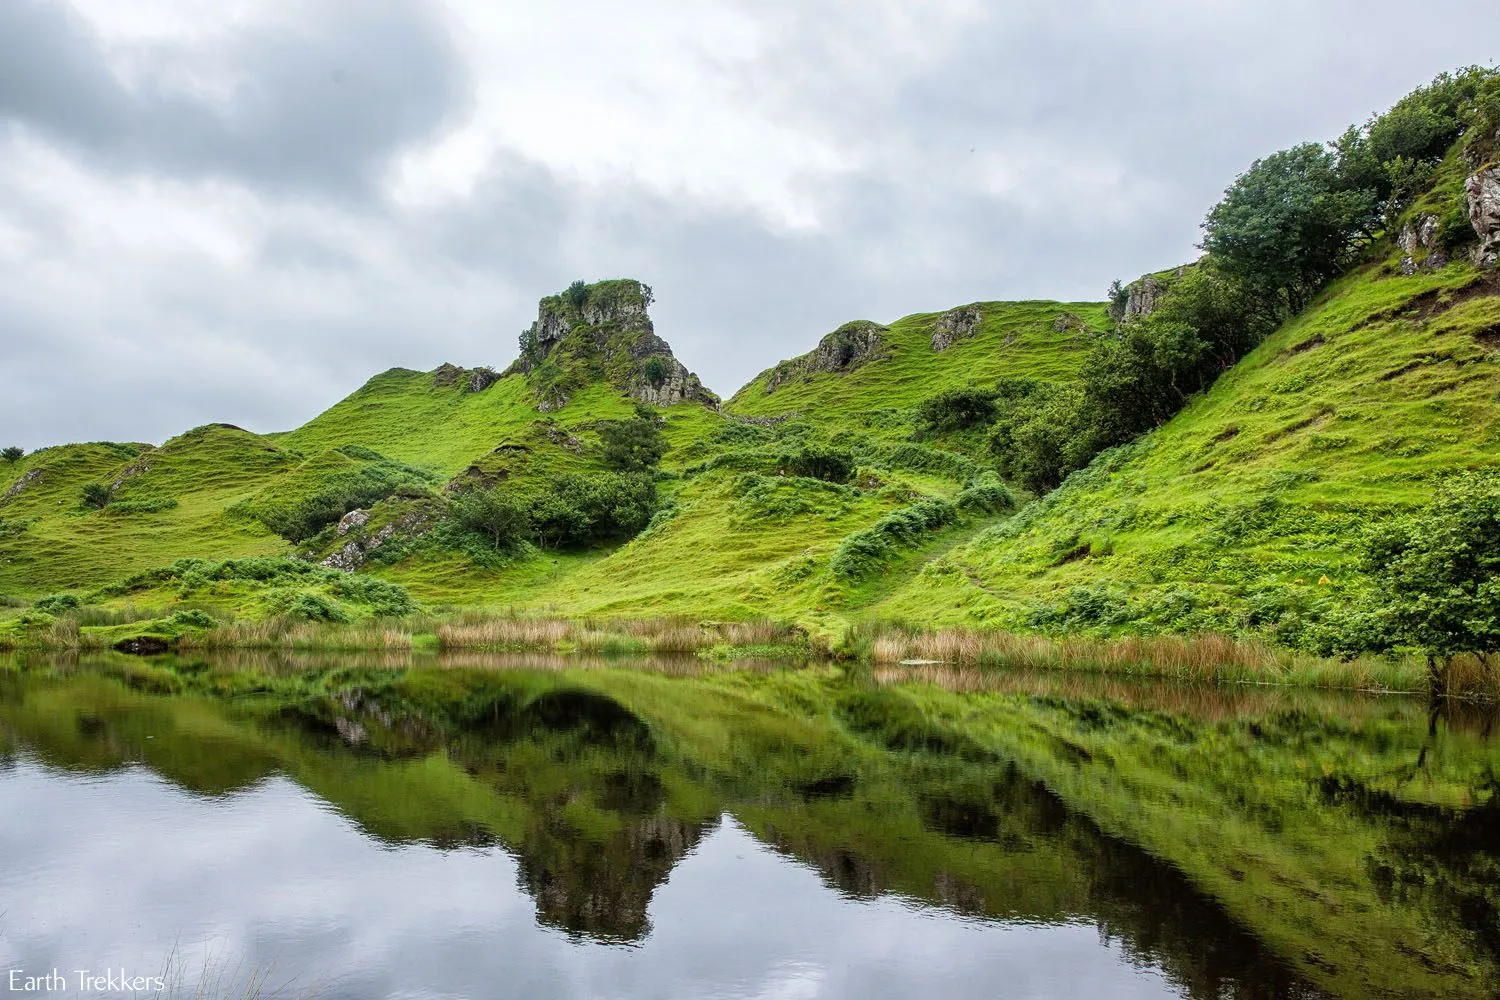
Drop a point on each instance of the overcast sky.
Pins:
(241, 210)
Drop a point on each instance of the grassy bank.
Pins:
(1204, 658)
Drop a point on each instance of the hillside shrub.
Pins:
(12, 454)
(56, 604)
(302, 518)
(862, 553)
(955, 409)
(156, 506)
(96, 496)
(308, 606)
(577, 294)
(583, 510)
(1437, 577)
(988, 494)
(831, 465)
(497, 515)
(634, 445)
(655, 371)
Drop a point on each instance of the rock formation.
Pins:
(955, 325)
(845, 349)
(1484, 213)
(1145, 296)
(1417, 236)
(603, 332)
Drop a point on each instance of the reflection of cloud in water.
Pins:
(115, 870)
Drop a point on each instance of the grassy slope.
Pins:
(1348, 414)
(1013, 339)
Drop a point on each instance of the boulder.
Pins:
(15, 488)
(955, 325)
(352, 554)
(354, 519)
(1484, 213)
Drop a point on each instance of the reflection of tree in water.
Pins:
(601, 838)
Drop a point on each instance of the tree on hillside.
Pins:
(633, 445)
(1289, 224)
(97, 496)
(495, 514)
(1439, 577)
(13, 454)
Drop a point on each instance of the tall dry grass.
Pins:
(288, 634)
(1216, 658)
(610, 636)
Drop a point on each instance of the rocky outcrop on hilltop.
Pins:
(1483, 189)
(468, 379)
(955, 325)
(603, 332)
(851, 346)
(1145, 294)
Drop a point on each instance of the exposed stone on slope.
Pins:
(1069, 322)
(139, 467)
(851, 346)
(471, 379)
(1417, 236)
(605, 334)
(353, 553)
(955, 325)
(1484, 213)
(1145, 295)
(354, 519)
(15, 488)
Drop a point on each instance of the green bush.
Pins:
(309, 606)
(497, 515)
(655, 371)
(956, 409)
(577, 294)
(193, 618)
(338, 494)
(56, 604)
(97, 496)
(863, 552)
(12, 454)
(988, 494)
(141, 506)
(633, 445)
(828, 464)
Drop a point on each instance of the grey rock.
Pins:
(352, 555)
(15, 488)
(955, 325)
(139, 467)
(1145, 295)
(1416, 237)
(354, 519)
(851, 346)
(1483, 189)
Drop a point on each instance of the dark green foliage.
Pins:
(577, 294)
(337, 495)
(309, 606)
(384, 599)
(1289, 224)
(920, 458)
(956, 409)
(586, 510)
(1438, 574)
(828, 464)
(56, 604)
(864, 552)
(12, 454)
(97, 496)
(633, 445)
(655, 371)
(497, 515)
(1080, 608)
(1117, 296)
(193, 618)
(987, 494)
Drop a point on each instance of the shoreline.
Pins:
(1206, 658)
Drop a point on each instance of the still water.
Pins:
(549, 828)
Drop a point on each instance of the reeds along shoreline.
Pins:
(1205, 658)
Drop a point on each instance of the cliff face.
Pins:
(603, 332)
(850, 346)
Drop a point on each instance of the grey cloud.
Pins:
(318, 109)
(1122, 126)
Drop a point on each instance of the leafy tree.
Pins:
(1438, 576)
(496, 514)
(97, 496)
(581, 510)
(956, 409)
(633, 445)
(1289, 224)
(577, 294)
(1118, 297)
(13, 454)
(655, 371)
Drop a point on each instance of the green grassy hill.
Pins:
(864, 367)
(1247, 507)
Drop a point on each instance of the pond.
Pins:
(527, 826)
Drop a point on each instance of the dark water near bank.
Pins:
(550, 829)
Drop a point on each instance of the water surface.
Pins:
(542, 828)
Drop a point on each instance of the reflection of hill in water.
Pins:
(599, 782)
